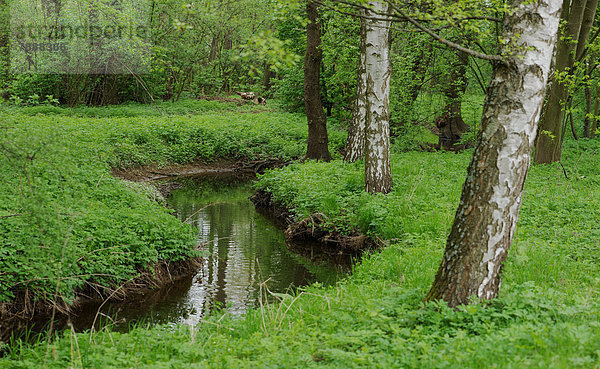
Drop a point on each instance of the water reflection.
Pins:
(242, 249)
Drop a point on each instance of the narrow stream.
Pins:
(243, 249)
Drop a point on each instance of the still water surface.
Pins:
(243, 249)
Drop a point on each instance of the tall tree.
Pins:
(355, 145)
(487, 214)
(378, 175)
(569, 48)
(317, 145)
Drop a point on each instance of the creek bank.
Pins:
(155, 171)
(19, 314)
(316, 228)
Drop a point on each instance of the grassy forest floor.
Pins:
(547, 315)
(68, 227)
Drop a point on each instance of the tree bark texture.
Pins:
(355, 145)
(487, 214)
(589, 14)
(549, 142)
(317, 145)
(378, 175)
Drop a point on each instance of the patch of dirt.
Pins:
(155, 171)
(315, 228)
(238, 101)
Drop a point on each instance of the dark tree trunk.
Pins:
(589, 14)
(587, 121)
(450, 123)
(548, 148)
(487, 214)
(419, 70)
(317, 146)
(267, 77)
(596, 113)
(214, 48)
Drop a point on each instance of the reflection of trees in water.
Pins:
(243, 247)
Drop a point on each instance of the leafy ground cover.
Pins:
(547, 316)
(65, 221)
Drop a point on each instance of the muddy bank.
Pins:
(23, 311)
(155, 171)
(315, 229)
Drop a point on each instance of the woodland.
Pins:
(448, 149)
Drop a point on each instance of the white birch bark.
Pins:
(355, 146)
(378, 71)
(487, 215)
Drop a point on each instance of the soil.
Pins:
(24, 310)
(155, 171)
(316, 228)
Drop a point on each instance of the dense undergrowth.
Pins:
(547, 315)
(65, 221)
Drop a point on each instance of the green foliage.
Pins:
(289, 90)
(422, 201)
(547, 314)
(67, 221)
(73, 222)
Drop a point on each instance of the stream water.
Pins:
(243, 249)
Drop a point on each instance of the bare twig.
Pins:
(199, 210)
(448, 43)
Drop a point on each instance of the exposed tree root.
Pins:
(316, 228)
(24, 308)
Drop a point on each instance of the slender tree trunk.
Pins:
(355, 146)
(214, 48)
(596, 112)
(549, 143)
(267, 77)
(317, 147)
(378, 174)
(589, 14)
(450, 123)
(487, 214)
(419, 70)
(587, 121)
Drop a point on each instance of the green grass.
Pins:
(158, 108)
(65, 221)
(547, 315)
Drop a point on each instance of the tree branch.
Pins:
(448, 43)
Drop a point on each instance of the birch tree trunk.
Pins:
(317, 145)
(355, 145)
(378, 176)
(487, 214)
(549, 142)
